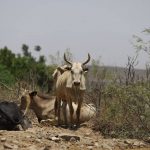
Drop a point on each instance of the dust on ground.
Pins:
(42, 137)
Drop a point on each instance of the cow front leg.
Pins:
(64, 105)
(71, 110)
(78, 115)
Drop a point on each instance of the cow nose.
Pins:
(76, 83)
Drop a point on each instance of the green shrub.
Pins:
(125, 111)
(6, 77)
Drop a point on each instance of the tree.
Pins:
(141, 44)
(58, 58)
(42, 59)
(6, 57)
(25, 49)
(37, 48)
(6, 77)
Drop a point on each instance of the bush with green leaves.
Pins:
(125, 111)
(6, 78)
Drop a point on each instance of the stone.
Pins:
(147, 139)
(72, 139)
(15, 142)
(67, 137)
(38, 140)
(28, 136)
(96, 144)
(32, 147)
(3, 139)
(87, 134)
(139, 144)
(90, 147)
(56, 139)
(129, 142)
(106, 146)
(8, 146)
(49, 147)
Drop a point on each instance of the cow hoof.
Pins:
(71, 127)
(65, 126)
(58, 125)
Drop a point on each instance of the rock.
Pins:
(32, 147)
(67, 137)
(129, 142)
(8, 146)
(1, 132)
(28, 136)
(48, 122)
(63, 147)
(72, 139)
(49, 147)
(56, 139)
(15, 142)
(39, 137)
(87, 134)
(90, 147)
(139, 144)
(91, 143)
(88, 142)
(122, 145)
(15, 147)
(106, 146)
(38, 140)
(3, 139)
(147, 139)
(1, 147)
(96, 144)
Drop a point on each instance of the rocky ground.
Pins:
(42, 137)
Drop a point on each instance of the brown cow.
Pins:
(43, 106)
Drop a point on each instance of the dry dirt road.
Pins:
(53, 138)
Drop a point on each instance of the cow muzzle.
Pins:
(76, 83)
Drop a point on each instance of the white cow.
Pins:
(70, 87)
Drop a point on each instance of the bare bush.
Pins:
(123, 108)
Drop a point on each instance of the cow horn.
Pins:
(87, 60)
(67, 60)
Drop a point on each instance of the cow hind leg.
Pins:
(58, 111)
(56, 107)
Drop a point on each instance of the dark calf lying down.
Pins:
(11, 116)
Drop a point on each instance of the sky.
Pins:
(103, 28)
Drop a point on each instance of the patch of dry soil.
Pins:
(53, 138)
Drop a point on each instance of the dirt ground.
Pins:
(42, 137)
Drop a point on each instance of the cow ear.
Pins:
(68, 68)
(61, 69)
(82, 85)
(85, 70)
(34, 93)
(69, 82)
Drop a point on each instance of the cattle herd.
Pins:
(65, 108)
